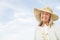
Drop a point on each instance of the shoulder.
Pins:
(57, 30)
(38, 29)
(55, 26)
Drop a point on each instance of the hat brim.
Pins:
(37, 14)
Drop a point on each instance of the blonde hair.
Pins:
(50, 23)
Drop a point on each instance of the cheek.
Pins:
(47, 17)
(41, 17)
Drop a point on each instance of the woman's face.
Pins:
(45, 16)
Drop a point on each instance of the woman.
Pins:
(46, 27)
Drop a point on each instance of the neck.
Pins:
(45, 23)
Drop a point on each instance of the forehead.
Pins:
(45, 13)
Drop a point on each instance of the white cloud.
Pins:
(21, 13)
(18, 24)
(58, 7)
(2, 27)
(27, 34)
(14, 26)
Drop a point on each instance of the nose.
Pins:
(44, 15)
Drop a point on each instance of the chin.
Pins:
(44, 20)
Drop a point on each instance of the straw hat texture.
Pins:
(37, 13)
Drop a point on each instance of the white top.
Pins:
(45, 33)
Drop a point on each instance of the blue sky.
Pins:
(17, 21)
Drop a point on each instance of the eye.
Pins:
(42, 13)
(47, 13)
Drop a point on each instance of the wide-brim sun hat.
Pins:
(37, 13)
